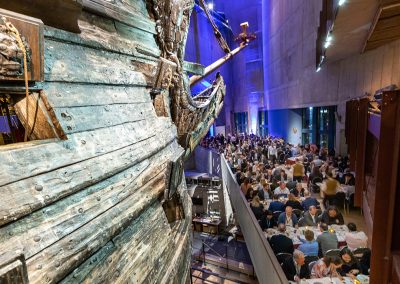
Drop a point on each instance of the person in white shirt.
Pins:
(282, 189)
(355, 239)
(272, 152)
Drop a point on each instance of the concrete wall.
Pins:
(290, 79)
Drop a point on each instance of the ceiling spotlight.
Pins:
(210, 6)
(327, 44)
(329, 38)
(319, 68)
(341, 2)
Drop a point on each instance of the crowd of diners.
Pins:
(265, 178)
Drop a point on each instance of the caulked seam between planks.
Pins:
(139, 58)
(35, 207)
(77, 162)
(154, 177)
(109, 230)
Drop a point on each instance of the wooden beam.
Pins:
(386, 187)
(362, 126)
(61, 14)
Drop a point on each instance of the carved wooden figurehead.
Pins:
(11, 54)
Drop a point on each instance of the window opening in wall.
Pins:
(263, 122)
(319, 126)
(241, 122)
(15, 119)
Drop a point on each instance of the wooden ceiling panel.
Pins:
(386, 25)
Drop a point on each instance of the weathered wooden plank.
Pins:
(65, 95)
(132, 260)
(86, 118)
(100, 33)
(23, 197)
(88, 65)
(123, 12)
(44, 158)
(45, 227)
(132, 257)
(58, 260)
(80, 273)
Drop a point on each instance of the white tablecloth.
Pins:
(296, 234)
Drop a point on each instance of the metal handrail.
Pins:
(215, 274)
(204, 253)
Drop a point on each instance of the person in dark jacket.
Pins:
(332, 216)
(276, 205)
(257, 207)
(293, 202)
(351, 266)
(295, 267)
(281, 243)
(267, 220)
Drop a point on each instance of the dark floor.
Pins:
(221, 246)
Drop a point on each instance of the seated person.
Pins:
(288, 217)
(260, 182)
(350, 267)
(295, 268)
(282, 190)
(327, 240)
(309, 201)
(348, 179)
(365, 262)
(276, 205)
(265, 193)
(355, 239)
(268, 176)
(245, 186)
(281, 243)
(250, 193)
(310, 217)
(267, 220)
(282, 176)
(257, 207)
(309, 246)
(294, 203)
(274, 184)
(298, 191)
(332, 216)
(327, 267)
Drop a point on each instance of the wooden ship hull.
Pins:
(90, 201)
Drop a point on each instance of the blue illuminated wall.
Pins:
(243, 74)
(203, 48)
(286, 123)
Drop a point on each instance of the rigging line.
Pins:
(217, 33)
(13, 30)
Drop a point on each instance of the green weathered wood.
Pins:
(124, 12)
(61, 258)
(102, 33)
(45, 227)
(22, 198)
(80, 273)
(193, 68)
(66, 95)
(87, 65)
(87, 118)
